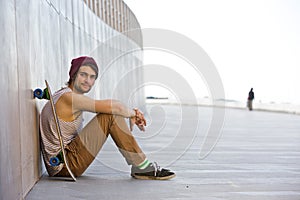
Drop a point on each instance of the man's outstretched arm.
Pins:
(80, 102)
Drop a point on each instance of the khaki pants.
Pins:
(84, 148)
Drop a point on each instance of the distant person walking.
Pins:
(250, 99)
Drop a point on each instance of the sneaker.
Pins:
(152, 172)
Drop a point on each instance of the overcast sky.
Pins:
(253, 43)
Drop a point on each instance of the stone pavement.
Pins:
(256, 157)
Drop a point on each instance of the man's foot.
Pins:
(152, 172)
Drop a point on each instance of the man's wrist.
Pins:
(134, 112)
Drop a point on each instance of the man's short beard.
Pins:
(80, 90)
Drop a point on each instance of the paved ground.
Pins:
(256, 157)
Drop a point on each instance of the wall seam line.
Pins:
(21, 195)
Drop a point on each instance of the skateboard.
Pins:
(61, 157)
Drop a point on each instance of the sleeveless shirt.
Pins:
(49, 137)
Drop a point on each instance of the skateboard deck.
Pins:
(61, 157)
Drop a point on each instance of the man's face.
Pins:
(84, 80)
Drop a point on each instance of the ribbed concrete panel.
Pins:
(27, 69)
(66, 46)
(10, 152)
(50, 43)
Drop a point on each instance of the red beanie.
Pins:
(80, 61)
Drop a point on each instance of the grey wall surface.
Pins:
(38, 40)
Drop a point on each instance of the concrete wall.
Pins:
(38, 40)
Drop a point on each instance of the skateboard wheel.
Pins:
(38, 93)
(46, 94)
(54, 161)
